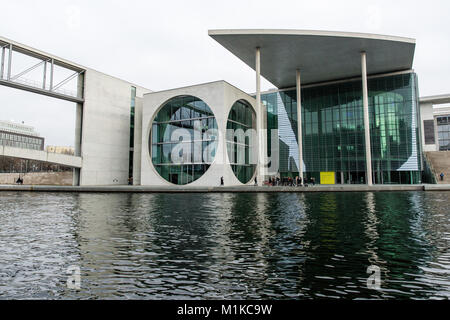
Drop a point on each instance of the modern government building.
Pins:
(346, 110)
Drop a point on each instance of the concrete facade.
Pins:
(431, 108)
(102, 128)
(102, 124)
(105, 136)
(220, 97)
(426, 114)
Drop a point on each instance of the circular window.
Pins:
(183, 139)
(241, 140)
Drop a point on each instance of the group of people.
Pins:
(291, 182)
(286, 181)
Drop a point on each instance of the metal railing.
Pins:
(40, 85)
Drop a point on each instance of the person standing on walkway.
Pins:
(256, 181)
(221, 181)
(442, 176)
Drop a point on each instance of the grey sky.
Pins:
(164, 44)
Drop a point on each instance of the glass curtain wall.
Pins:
(333, 130)
(444, 132)
(131, 152)
(240, 126)
(197, 145)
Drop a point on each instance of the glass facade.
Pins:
(183, 139)
(11, 139)
(443, 124)
(333, 130)
(131, 156)
(240, 129)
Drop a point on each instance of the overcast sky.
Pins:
(165, 44)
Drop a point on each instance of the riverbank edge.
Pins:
(240, 189)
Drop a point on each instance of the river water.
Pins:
(225, 246)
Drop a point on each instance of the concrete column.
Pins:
(78, 128)
(299, 125)
(261, 169)
(80, 85)
(366, 119)
(78, 134)
(76, 177)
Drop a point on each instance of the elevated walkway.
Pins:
(56, 158)
(440, 162)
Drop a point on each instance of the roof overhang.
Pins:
(320, 55)
(439, 99)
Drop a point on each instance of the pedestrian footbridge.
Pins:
(39, 155)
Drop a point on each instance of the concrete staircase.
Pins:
(440, 162)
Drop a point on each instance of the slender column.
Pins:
(44, 80)
(80, 85)
(9, 62)
(366, 119)
(2, 67)
(52, 69)
(260, 117)
(78, 129)
(78, 141)
(299, 125)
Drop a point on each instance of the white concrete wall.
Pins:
(426, 113)
(220, 97)
(57, 158)
(106, 129)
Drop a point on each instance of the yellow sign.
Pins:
(327, 178)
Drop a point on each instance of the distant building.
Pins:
(20, 136)
(61, 150)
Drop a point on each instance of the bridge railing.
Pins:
(39, 85)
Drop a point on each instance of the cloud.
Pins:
(164, 44)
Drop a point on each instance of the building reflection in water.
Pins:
(429, 225)
(260, 245)
(371, 232)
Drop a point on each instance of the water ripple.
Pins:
(225, 246)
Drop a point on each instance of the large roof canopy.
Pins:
(319, 55)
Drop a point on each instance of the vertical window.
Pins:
(131, 156)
